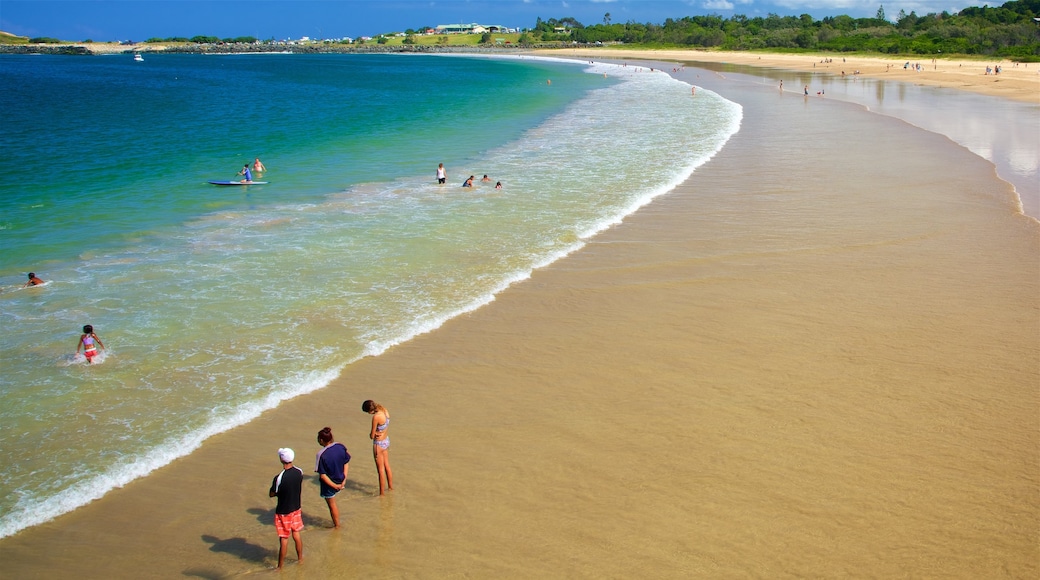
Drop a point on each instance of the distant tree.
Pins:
(485, 38)
(606, 19)
(880, 13)
(88, 41)
(409, 39)
(382, 39)
(205, 39)
(44, 40)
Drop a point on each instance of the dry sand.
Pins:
(816, 358)
(1020, 82)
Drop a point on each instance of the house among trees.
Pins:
(471, 29)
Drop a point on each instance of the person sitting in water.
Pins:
(247, 173)
(469, 182)
(498, 185)
(486, 178)
(33, 281)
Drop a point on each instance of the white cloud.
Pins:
(717, 5)
(853, 7)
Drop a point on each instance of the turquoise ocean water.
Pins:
(216, 303)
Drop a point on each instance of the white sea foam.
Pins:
(33, 510)
(232, 311)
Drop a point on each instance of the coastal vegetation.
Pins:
(1011, 31)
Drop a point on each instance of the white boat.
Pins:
(138, 58)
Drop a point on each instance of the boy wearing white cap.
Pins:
(288, 516)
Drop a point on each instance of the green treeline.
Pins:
(205, 40)
(1007, 31)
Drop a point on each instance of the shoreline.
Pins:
(569, 350)
(1019, 83)
(1013, 150)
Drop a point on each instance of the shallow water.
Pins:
(218, 303)
(1004, 132)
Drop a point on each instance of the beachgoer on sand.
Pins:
(331, 467)
(287, 486)
(380, 442)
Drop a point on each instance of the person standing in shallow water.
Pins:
(86, 341)
(287, 486)
(380, 442)
(331, 467)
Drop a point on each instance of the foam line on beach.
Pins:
(33, 511)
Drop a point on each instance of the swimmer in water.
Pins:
(33, 281)
(87, 341)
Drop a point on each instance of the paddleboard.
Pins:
(238, 182)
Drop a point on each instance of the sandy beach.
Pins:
(818, 357)
(1020, 82)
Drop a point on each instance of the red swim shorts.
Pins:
(90, 353)
(286, 524)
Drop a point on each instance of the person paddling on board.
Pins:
(246, 172)
(33, 280)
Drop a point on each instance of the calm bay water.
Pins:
(218, 303)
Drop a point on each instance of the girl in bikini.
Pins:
(380, 442)
(86, 341)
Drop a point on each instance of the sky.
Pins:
(115, 20)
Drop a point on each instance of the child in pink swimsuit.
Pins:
(87, 341)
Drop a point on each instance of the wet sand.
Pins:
(1019, 82)
(816, 358)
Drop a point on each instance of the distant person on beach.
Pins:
(86, 342)
(442, 177)
(469, 181)
(806, 90)
(331, 467)
(258, 166)
(33, 280)
(287, 486)
(247, 173)
(380, 442)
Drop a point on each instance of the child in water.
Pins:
(87, 341)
